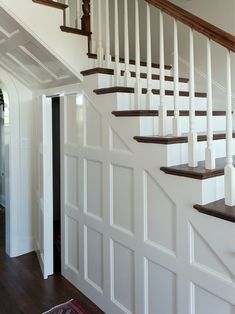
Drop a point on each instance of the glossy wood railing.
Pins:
(209, 30)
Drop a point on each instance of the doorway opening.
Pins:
(56, 183)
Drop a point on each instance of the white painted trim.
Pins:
(13, 194)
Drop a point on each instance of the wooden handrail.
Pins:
(216, 34)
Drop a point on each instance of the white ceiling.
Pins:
(30, 62)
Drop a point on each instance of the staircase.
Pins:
(149, 119)
(179, 113)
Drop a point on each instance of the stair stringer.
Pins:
(127, 261)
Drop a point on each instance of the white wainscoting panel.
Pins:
(131, 244)
(93, 126)
(204, 301)
(94, 258)
(93, 203)
(122, 283)
(71, 195)
(161, 289)
(160, 213)
(122, 197)
(72, 244)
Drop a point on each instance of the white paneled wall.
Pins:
(19, 167)
(130, 241)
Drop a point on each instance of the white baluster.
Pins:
(138, 89)
(107, 53)
(100, 50)
(210, 150)
(126, 39)
(78, 14)
(192, 136)
(176, 119)
(92, 42)
(162, 107)
(116, 38)
(67, 14)
(229, 170)
(149, 61)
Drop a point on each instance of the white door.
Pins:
(45, 208)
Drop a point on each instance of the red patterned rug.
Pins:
(70, 307)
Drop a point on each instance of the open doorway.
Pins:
(56, 183)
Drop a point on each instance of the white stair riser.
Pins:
(106, 80)
(171, 154)
(127, 101)
(149, 125)
(143, 69)
(212, 189)
(178, 153)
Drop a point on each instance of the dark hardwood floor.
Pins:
(23, 290)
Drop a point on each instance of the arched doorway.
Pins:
(11, 164)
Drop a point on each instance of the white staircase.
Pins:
(140, 149)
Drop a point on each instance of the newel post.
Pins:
(86, 19)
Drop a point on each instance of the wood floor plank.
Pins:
(23, 289)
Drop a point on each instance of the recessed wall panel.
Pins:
(71, 185)
(73, 119)
(206, 302)
(95, 258)
(72, 243)
(205, 256)
(161, 289)
(123, 277)
(94, 187)
(93, 127)
(122, 195)
(160, 214)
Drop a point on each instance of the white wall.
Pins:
(19, 172)
(219, 13)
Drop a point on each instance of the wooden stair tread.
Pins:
(131, 90)
(73, 30)
(170, 113)
(169, 139)
(97, 71)
(218, 209)
(52, 4)
(133, 74)
(121, 60)
(199, 172)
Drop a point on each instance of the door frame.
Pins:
(13, 173)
